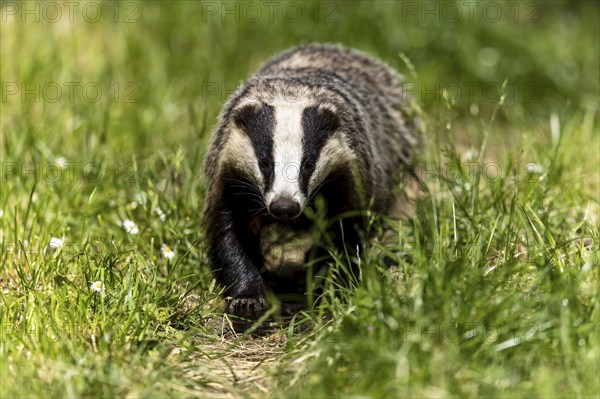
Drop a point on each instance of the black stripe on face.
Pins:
(318, 125)
(258, 123)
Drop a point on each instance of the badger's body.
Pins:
(317, 119)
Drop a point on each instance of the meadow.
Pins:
(105, 290)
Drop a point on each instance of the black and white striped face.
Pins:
(289, 148)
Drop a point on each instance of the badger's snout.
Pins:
(284, 207)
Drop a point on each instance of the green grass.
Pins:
(495, 289)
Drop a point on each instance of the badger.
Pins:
(317, 121)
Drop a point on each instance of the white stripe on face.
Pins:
(287, 153)
(236, 154)
(335, 152)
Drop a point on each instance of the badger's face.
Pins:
(287, 149)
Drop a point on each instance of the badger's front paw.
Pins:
(247, 307)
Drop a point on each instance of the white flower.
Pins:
(533, 168)
(462, 187)
(470, 155)
(474, 109)
(1, 213)
(56, 242)
(130, 226)
(167, 252)
(61, 162)
(97, 286)
(160, 213)
(141, 199)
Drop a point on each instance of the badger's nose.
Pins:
(284, 208)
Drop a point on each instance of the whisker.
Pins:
(315, 191)
(259, 210)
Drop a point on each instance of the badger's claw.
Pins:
(249, 308)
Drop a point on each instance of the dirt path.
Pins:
(237, 365)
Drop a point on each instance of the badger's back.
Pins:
(348, 64)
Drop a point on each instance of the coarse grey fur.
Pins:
(375, 135)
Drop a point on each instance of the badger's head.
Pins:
(286, 149)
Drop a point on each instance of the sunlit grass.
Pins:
(493, 291)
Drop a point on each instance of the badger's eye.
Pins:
(307, 165)
(265, 167)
